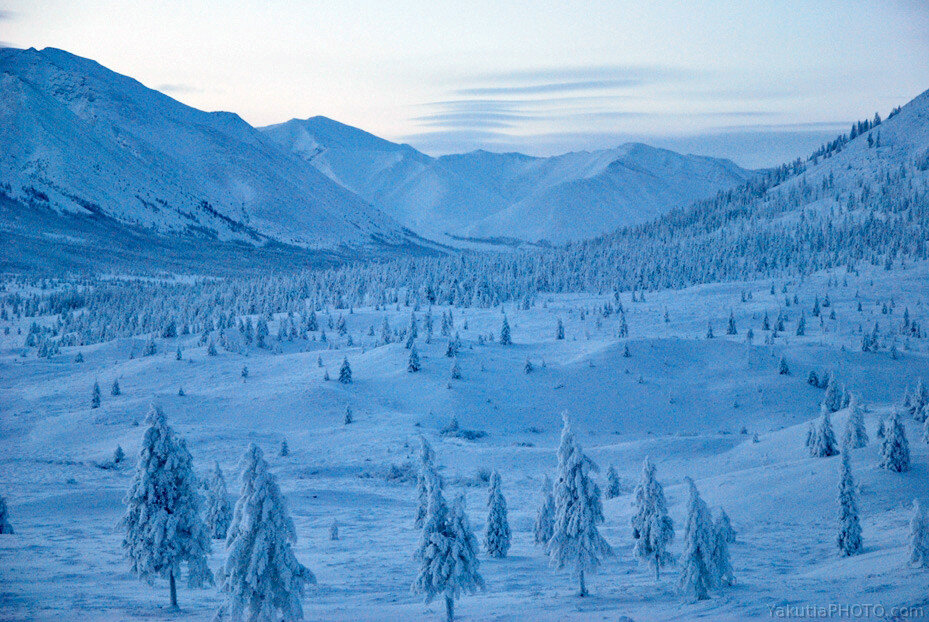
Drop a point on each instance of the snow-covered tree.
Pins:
(412, 364)
(849, 538)
(349, 417)
(697, 565)
(447, 551)
(895, 449)
(456, 370)
(115, 390)
(334, 530)
(783, 368)
(918, 543)
(576, 542)
(559, 330)
(832, 401)
(724, 526)
(823, 443)
(345, 372)
(855, 435)
(722, 564)
(505, 338)
(95, 395)
(218, 509)
(545, 517)
(497, 530)
(613, 485)
(261, 578)
(423, 477)
(118, 455)
(163, 524)
(5, 526)
(285, 449)
(652, 528)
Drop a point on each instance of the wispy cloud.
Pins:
(6, 16)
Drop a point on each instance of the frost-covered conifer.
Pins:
(5, 526)
(497, 531)
(115, 390)
(505, 338)
(722, 564)
(855, 435)
(730, 328)
(285, 449)
(895, 449)
(849, 538)
(178, 355)
(261, 578)
(918, 543)
(426, 470)
(697, 566)
(95, 395)
(652, 528)
(783, 368)
(349, 417)
(447, 552)
(545, 517)
(823, 443)
(613, 485)
(528, 367)
(119, 455)
(576, 542)
(456, 370)
(163, 524)
(211, 349)
(881, 429)
(218, 509)
(412, 364)
(345, 372)
(559, 330)
(334, 530)
(724, 526)
(833, 398)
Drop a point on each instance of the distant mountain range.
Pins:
(506, 195)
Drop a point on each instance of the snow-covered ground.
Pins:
(680, 398)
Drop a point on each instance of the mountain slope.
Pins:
(78, 137)
(488, 195)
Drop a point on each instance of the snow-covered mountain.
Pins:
(80, 138)
(490, 195)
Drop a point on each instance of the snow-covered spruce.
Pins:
(447, 551)
(918, 544)
(544, 524)
(95, 395)
(413, 365)
(832, 401)
(697, 565)
(261, 578)
(505, 337)
(895, 449)
(218, 509)
(849, 538)
(724, 526)
(497, 530)
(576, 541)
(423, 477)
(652, 528)
(163, 524)
(822, 444)
(613, 485)
(855, 435)
(345, 372)
(5, 526)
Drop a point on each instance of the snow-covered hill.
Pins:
(80, 138)
(490, 195)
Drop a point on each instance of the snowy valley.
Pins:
(276, 372)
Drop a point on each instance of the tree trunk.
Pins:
(583, 591)
(173, 590)
(449, 608)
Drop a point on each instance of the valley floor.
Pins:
(691, 403)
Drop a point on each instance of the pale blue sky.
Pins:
(760, 82)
